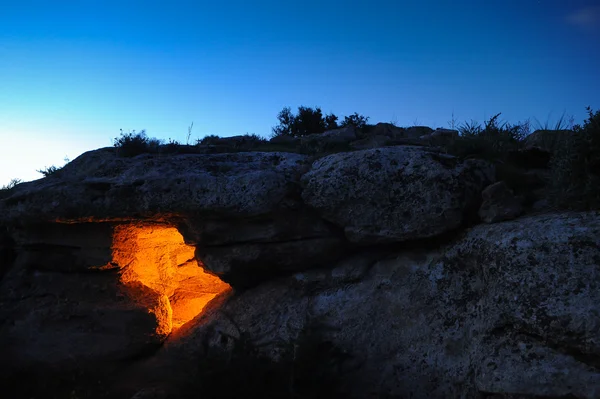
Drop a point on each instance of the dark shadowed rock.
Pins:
(371, 142)
(499, 204)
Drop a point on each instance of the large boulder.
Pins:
(509, 309)
(394, 194)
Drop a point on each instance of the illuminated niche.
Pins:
(157, 257)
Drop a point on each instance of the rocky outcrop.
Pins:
(367, 270)
(507, 309)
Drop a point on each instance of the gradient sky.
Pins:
(72, 73)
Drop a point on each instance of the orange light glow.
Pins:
(157, 257)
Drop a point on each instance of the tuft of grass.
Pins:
(492, 142)
(575, 167)
(49, 170)
(210, 139)
(561, 124)
(11, 184)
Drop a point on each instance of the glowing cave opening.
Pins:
(155, 259)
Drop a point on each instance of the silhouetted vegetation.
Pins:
(49, 171)
(131, 144)
(311, 121)
(493, 142)
(575, 166)
(356, 120)
(11, 184)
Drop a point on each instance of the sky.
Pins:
(73, 73)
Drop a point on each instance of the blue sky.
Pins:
(72, 73)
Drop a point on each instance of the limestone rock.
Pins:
(101, 186)
(499, 204)
(507, 309)
(395, 193)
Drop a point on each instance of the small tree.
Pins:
(286, 121)
(331, 122)
(308, 121)
(356, 120)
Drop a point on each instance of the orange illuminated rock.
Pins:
(157, 257)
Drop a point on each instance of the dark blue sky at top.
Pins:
(72, 73)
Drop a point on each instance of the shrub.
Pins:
(11, 184)
(307, 121)
(356, 120)
(49, 171)
(492, 142)
(331, 122)
(132, 143)
(210, 139)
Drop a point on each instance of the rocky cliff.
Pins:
(381, 272)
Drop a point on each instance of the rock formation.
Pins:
(371, 268)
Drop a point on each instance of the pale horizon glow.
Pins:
(72, 73)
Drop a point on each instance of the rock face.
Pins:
(506, 309)
(357, 274)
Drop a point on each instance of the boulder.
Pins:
(499, 204)
(394, 194)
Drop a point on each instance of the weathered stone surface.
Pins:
(499, 204)
(508, 309)
(395, 193)
(66, 321)
(100, 186)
